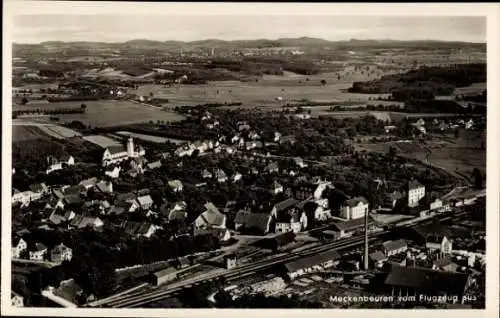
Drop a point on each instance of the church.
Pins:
(115, 154)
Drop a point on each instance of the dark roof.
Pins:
(352, 224)
(394, 245)
(286, 204)
(355, 201)
(253, 220)
(414, 184)
(427, 280)
(76, 189)
(284, 238)
(73, 199)
(310, 261)
(116, 149)
(166, 271)
(377, 256)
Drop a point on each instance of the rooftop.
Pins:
(307, 262)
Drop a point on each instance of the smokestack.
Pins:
(366, 240)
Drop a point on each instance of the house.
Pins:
(38, 252)
(439, 243)
(276, 188)
(105, 187)
(206, 174)
(221, 176)
(145, 202)
(16, 300)
(276, 137)
(81, 222)
(272, 168)
(130, 205)
(347, 228)
(424, 283)
(88, 183)
(211, 217)
(299, 162)
(18, 247)
(378, 258)
(236, 176)
(248, 222)
(415, 192)
(164, 276)
(394, 247)
(287, 139)
(59, 216)
(39, 188)
(61, 253)
(175, 185)
(292, 220)
(223, 235)
(314, 263)
(57, 164)
(25, 197)
(54, 203)
(315, 211)
(154, 165)
(139, 229)
(354, 208)
(113, 173)
(288, 205)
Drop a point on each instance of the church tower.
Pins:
(130, 147)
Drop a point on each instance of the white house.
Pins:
(416, 191)
(210, 218)
(113, 173)
(25, 197)
(16, 300)
(38, 252)
(354, 208)
(441, 244)
(276, 188)
(436, 204)
(18, 247)
(57, 164)
(175, 185)
(145, 201)
(61, 253)
(221, 176)
(394, 247)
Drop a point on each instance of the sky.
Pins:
(120, 28)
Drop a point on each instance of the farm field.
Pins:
(456, 155)
(292, 88)
(156, 139)
(22, 133)
(104, 113)
(101, 141)
(27, 130)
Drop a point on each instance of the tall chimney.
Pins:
(366, 240)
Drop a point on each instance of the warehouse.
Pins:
(164, 276)
(311, 264)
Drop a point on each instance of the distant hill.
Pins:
(303, 42)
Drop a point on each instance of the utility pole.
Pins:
(366, 240)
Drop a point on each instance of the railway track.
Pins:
(141, 297)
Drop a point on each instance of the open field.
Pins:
(27, 130)
(156, 139)
(101, 141)
(456, 155)
(104, 113)
(290, 87)
(22, 133)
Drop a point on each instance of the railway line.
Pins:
(150, 295)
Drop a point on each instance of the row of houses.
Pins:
(39, 252)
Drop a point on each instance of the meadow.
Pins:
(103, 113)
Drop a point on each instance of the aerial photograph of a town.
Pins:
(277, 162)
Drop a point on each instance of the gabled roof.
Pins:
(145, 200)
(38, 187)
(286, 204)
(394, 245)
(115, 149)
(212, 218)
(355, 201)
(175, 183)
(378, 256)
(60, 248)
(166, 271)
(310, 261)
(39, 247)
(89, 182)
(427, 280)
(103, 186)
(250, 220)
(414, 184)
